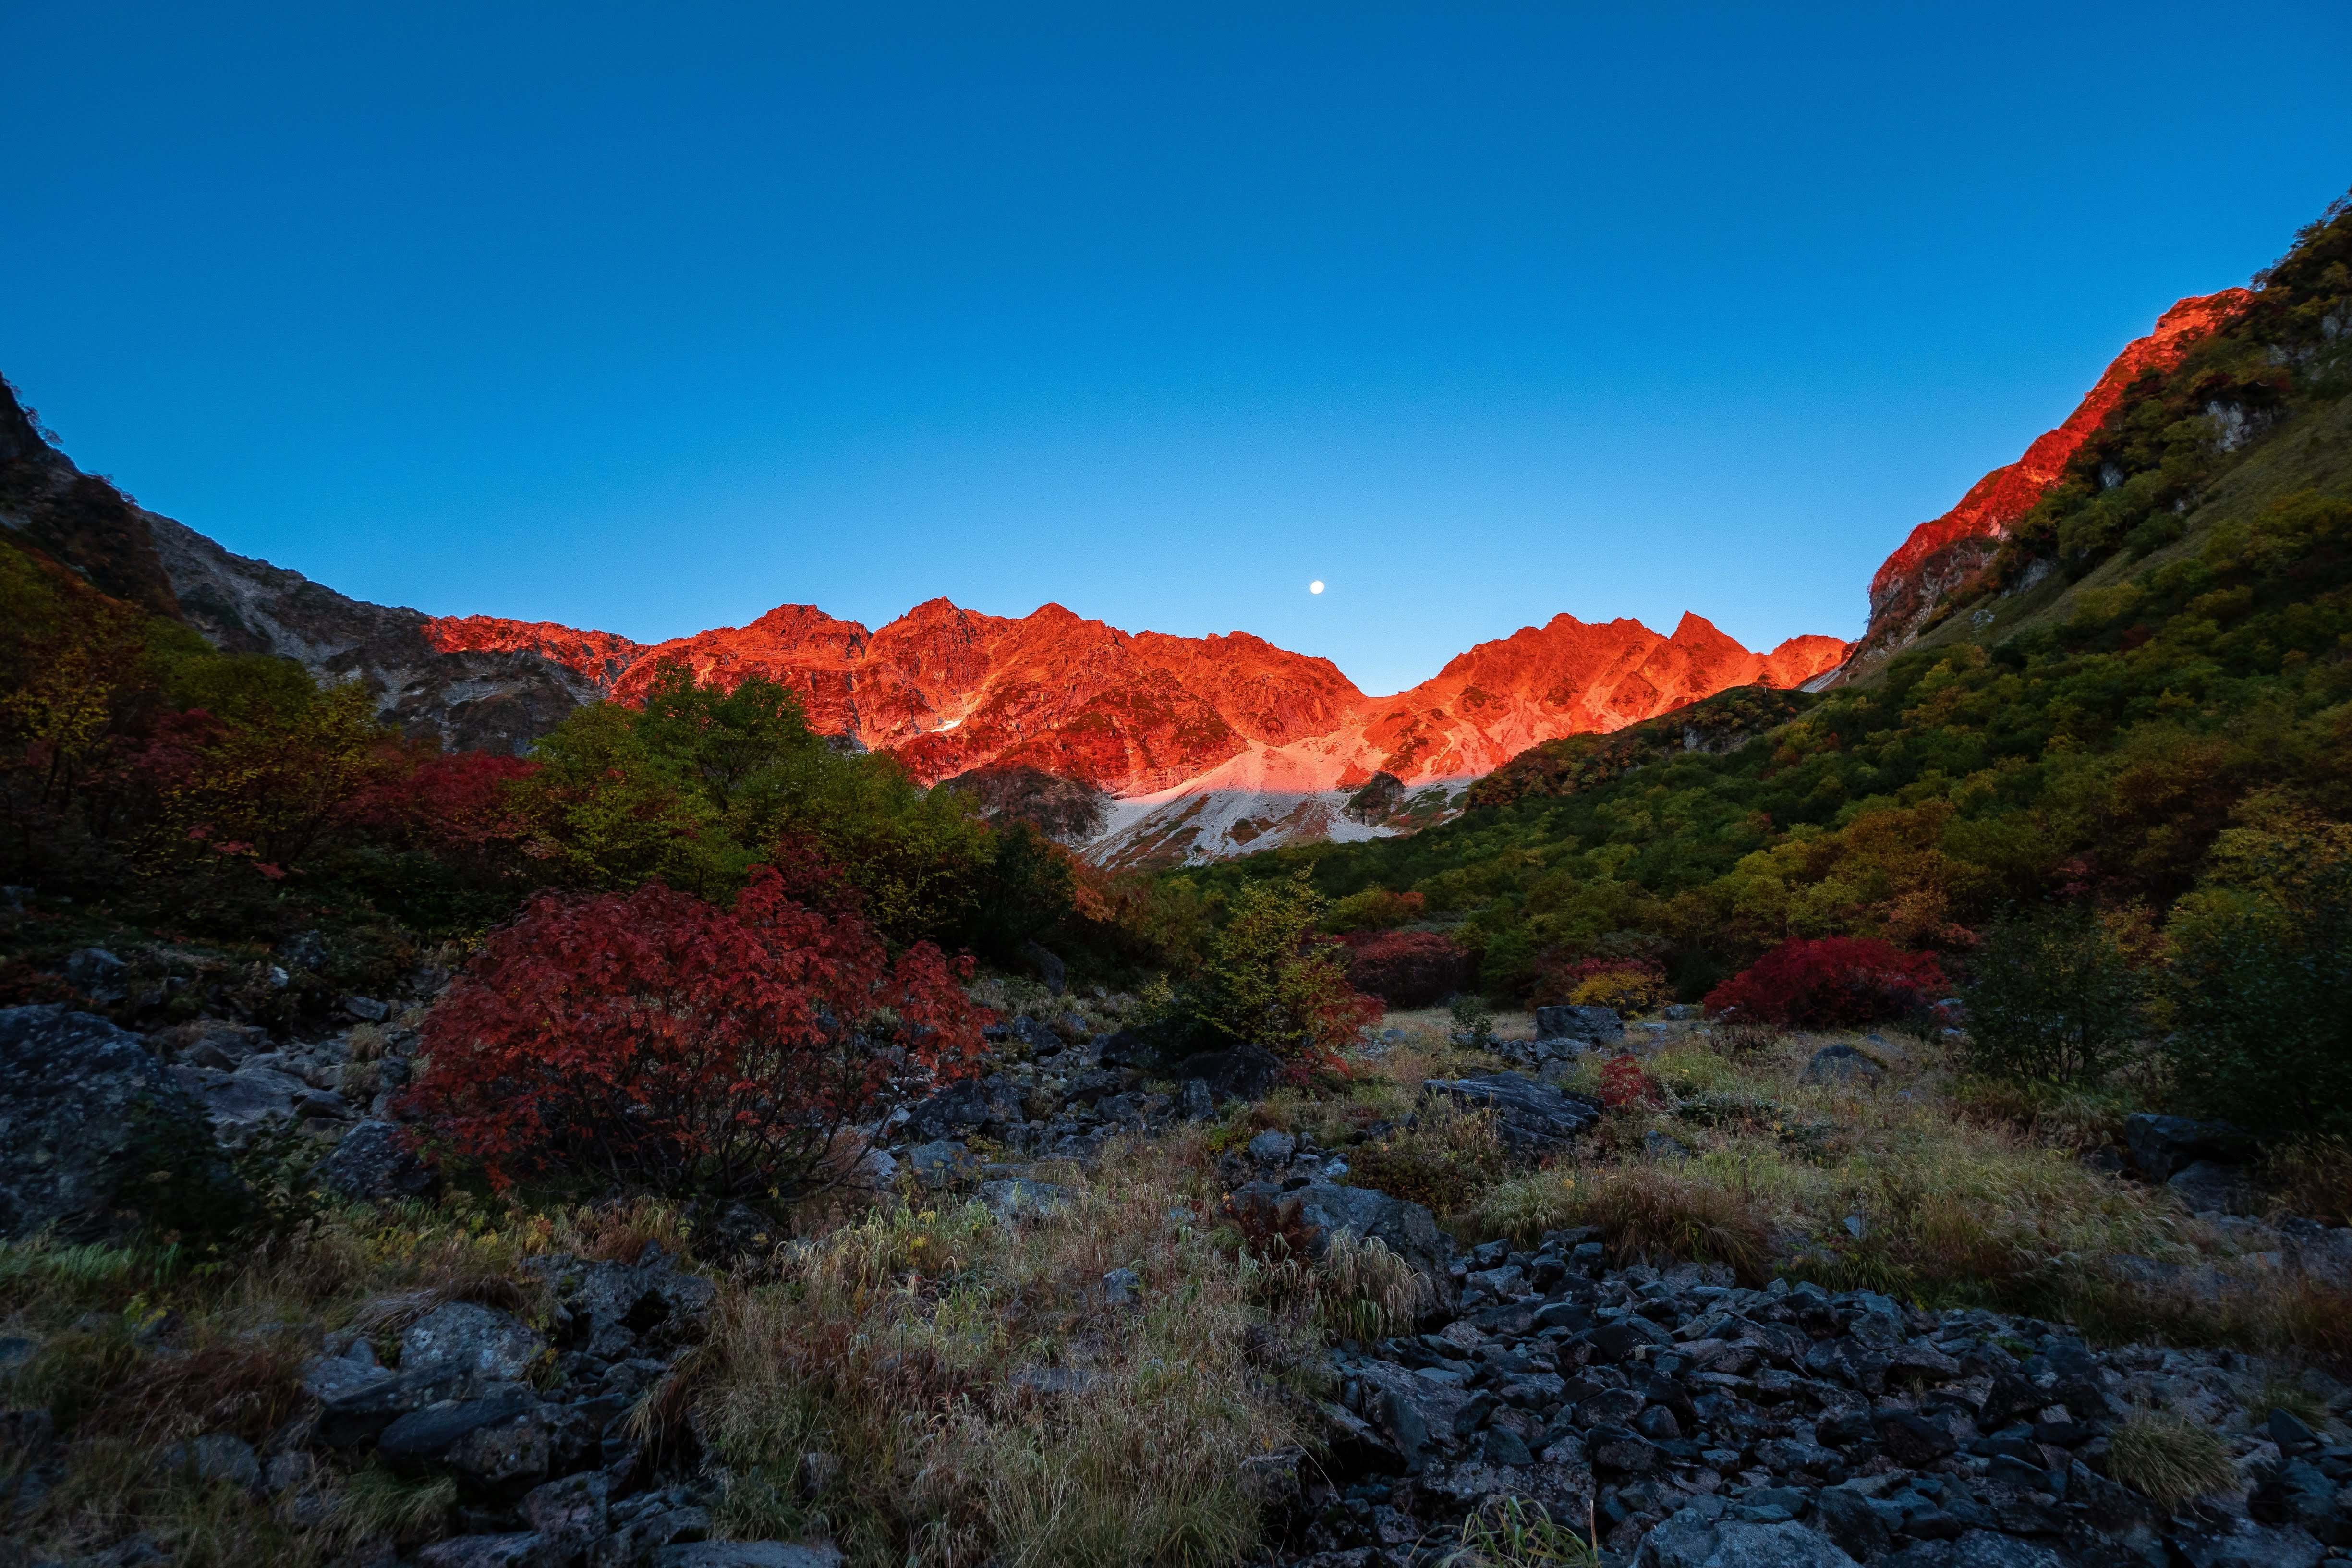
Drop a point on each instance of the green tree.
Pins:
(2263, 963)
(2056, 999)
(1271, 981)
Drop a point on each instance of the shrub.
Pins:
(1628, 984)
(1624, 990)
(1409, 968)
(1271, 981)
(1830, 983)
(2258, 983)
(1474, 1021)
(1375, 909)
(2055, 999)
(660, 1042)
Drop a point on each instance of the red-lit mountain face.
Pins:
(947, 691)
(1945, 553)
(1194, 747)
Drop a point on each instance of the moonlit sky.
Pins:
(651, 317)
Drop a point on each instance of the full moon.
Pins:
(1314, 587)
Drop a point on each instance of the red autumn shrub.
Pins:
(661, 1042)
(1624, 1081)
(1831, 983)
(1408, 968)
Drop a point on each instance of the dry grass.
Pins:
(969, 1395)
(1446, 1162)
(2170, 1458)
(2314, 1177)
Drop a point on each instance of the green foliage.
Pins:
(2055, 999)
(1473, 1018)
(698, 786)
(2262, 962)
(1270, 980)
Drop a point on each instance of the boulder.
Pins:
(2209, 1187)
(1273, 1148)
(374, 1163)
(434, 1430)
(1688, 1540)
(1596, 1025)
(74, 1092)
(1533, 1116)
(1321, 1210)
(964, 1106)
(2164, 1145)
(463, 1338)
(1842, 1065)
(255, 1092)
(1244, 1072)
(1015, 1198)
(604, 1307)
(97, 974)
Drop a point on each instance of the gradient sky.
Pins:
(651, 317)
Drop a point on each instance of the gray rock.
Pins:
(1532, 1117)
(1273, 1147)
(1842, 1065)
(1323, 1209)
(504, 1456)
(1244, 1072)
(241, 1100)
(1689, 1540)
(2249, 1545)
(374, 1163)
(73, 1090)
(573, 1511)
(1122, 1287)
(604, 1307)
(964, 1106)
(748, 1554)
(2209, 1187)
(330, 1378)
(2162, 1145)
(526, 1549)
(1195, 1102)
(463, 1337)
(434, 1430)
(1562, 1021)
(366, 1008)
(940, 1161)
(97, 974)
(1015, 1198)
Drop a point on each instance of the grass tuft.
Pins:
(2166, 1458)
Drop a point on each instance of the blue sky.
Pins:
(649, 318)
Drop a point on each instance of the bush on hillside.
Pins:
(2261, 970)
(1830, 983)
(1409, 968)
(660, 1042)
(1375, 909)
(1627, 983)
(2055, 999)
(1271, 981)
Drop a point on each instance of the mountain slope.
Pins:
(2136, 691)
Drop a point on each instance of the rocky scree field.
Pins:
(1657, 1292)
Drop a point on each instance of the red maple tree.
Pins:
(1829, 982)
(665, 1043)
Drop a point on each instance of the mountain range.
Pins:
(1163, 750)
